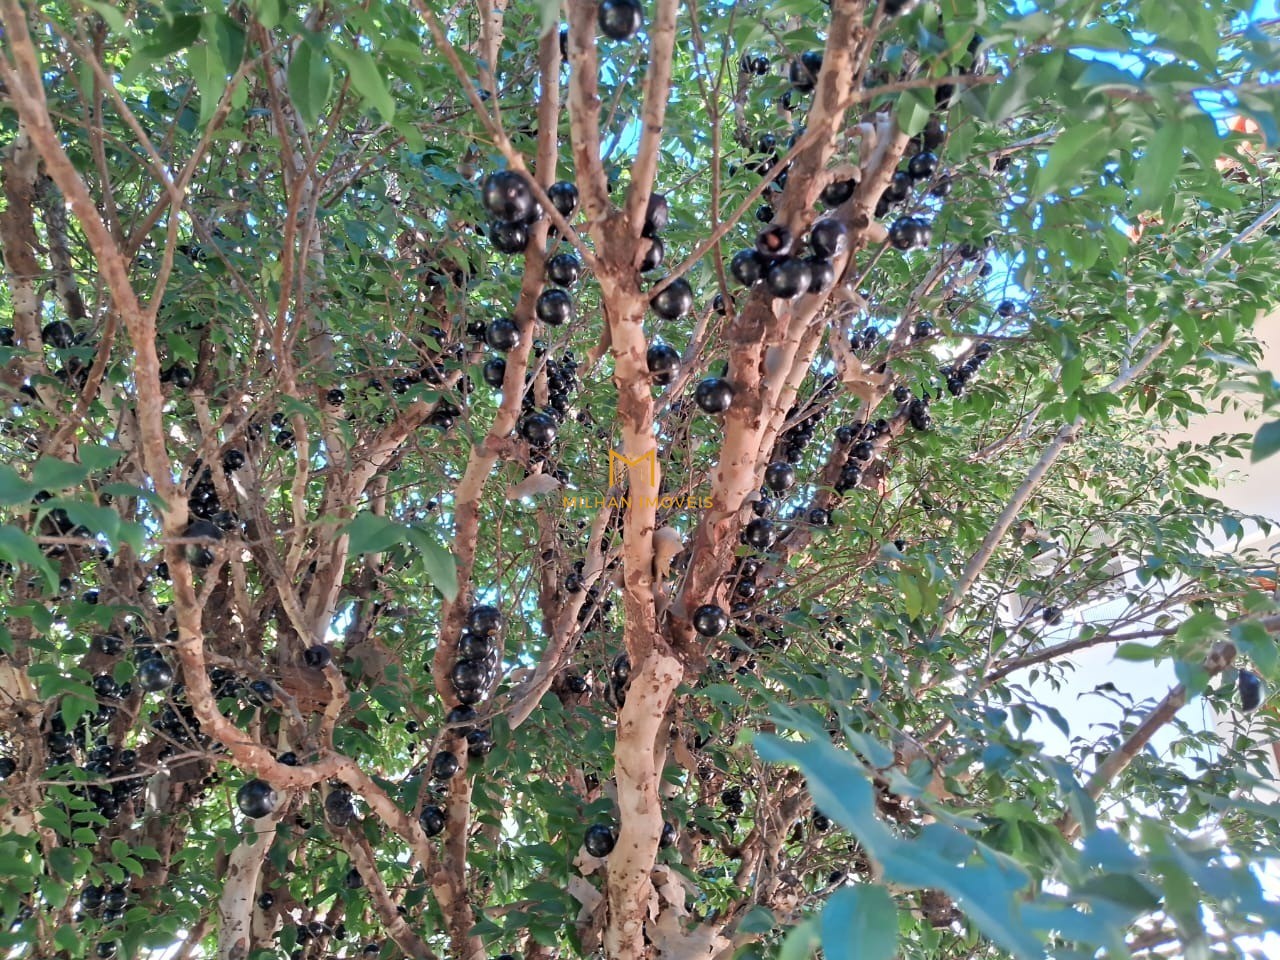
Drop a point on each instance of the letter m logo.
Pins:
(616, 460)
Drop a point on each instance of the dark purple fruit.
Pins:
(760, 533)
(564, 197)
(747, 267)
(779, 476)
(910, 233)
(674, 301)
(469, 675)
(620, 19)
(653, 256)
(564, 269)
(431, 820)
(663, 362)
(479, 743)
(509, 237)
(657, 214)
(837, 192)
(554, 307)
(1249, 686)
(199, 555)
(599, 840)
(803, 72)
(232, 461)
(923, 166)
(819, 517)
(256, 799)
(775, 241)
(822, 274)
(710, 620)
(59, 334)
(507, 196)
(154, 675)
(484, 620)
(108, 644)
(713, 395)
(495, 371)
(502, 334)
(539, 429)
(788, 278)
(317, 656)
(444, 765)
(828, 238)
(473, 646)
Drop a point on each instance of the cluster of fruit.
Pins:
(787, 268)
(861, 441)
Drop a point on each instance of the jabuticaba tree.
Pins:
(627, 480)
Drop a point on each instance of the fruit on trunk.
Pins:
(620, 19)
(713, 395)
(599, 840)
(710, 620)
(256, 799)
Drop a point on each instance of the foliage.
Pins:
(264, 224)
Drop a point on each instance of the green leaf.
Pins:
(1072, 153)
(913, 110)
(368, 81)
(13, 489)
(801, 941)
(859, 923)
(17, 547)
(438, 560)
(53, 474)
(1265, 442)
(171, 37)
(310, 81)
(1137, 651)
(1159, 165)
(112, 17)
(370, 533)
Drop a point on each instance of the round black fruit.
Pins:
(484, 620)
(502, 334)
(59, 334)
(509, 237)
(774, 242)
(318, 656)
(822, 274)
(656, 216)
(256, 798)
(910, 233)
(663, 362)
(431, 820)
(760, 533)
(923, 166)
(564, 269)
(828, 238)
(469, 675)
(539, 429)
(154, 675)
(472, 646)
(564, 197)
(747, 267)
(621, 19)
(779, 476)
(444, 765)
(803, 72)
(710, 620)
(199, 555)
(788, 278)
(599, 840)
(232, 460)
(654, 256)
(507, 196)
(837, 192)
(479, 743)
(1250, 688)
(713, 395)
(494, 372)
(554, 307)
(673, 301)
